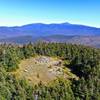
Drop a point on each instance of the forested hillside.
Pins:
(83, 61)
(93, 41)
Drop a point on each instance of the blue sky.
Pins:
(20, 12)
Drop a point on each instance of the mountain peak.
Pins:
(66, 23)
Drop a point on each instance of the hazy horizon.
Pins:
(21, 12)
(47, 23)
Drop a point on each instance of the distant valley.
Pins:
(64, 32)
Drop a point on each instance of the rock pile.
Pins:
(43, 59)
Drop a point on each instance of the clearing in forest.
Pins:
(42, 68)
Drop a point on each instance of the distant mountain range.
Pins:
(40, 29)
(64, 32)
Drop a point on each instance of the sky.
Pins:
(21, 12)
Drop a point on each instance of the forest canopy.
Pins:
(84, 62)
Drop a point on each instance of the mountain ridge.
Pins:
(41, 29)
(54, 32)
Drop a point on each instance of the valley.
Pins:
(49, 49)
(54, 32)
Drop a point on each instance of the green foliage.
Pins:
(83, 61)
(57, 90)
